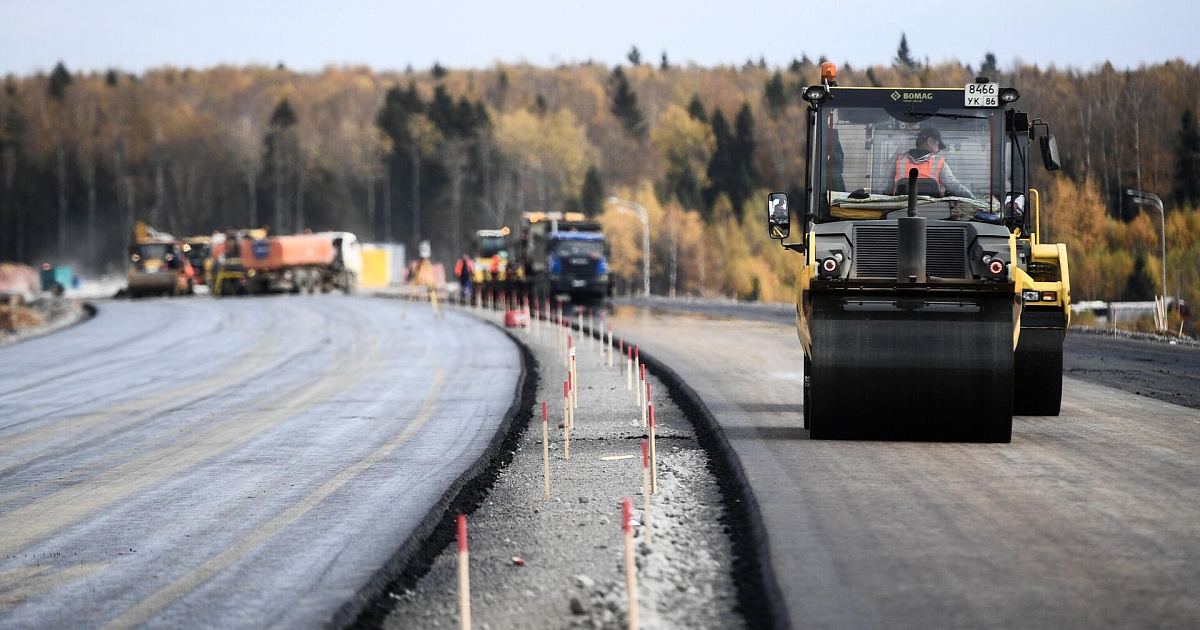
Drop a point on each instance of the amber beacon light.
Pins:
(829, 73)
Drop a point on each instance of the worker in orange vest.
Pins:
(464, 270)
(930, 167)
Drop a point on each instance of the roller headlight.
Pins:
(1031, 296)
(815, 94)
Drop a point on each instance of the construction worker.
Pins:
(930, 167)
(423, 275)
(464, 270)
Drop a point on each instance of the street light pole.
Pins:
(625, 206)
(1149, 199)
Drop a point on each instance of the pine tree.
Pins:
(695, 109)
(745, 180)
(874, 80)
(59, 80)
(400, 106)
(988, 67)
(721, 166)
(634, 56)
(1187, 161)
(1140, 286)
(281, 158)
(904, 59)
(665, 65)
(774, 95)
(591, 197)
(795, 66)
(284, 116)
(438, 71)
(625, 105)
(731, 169)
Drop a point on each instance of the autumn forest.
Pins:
(437, 153)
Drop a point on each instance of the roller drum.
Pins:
(919, 368)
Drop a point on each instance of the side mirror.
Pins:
(779, 215)
(1050, 152)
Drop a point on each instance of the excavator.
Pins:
(927, 306)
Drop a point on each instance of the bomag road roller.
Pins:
(927, 307)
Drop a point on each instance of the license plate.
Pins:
(578, 261)
(982, 95)
(578, 283)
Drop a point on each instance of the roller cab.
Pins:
(920, 259)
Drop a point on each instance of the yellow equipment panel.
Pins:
(375, 268)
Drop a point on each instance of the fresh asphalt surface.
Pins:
(231, 463)
(1089, 519)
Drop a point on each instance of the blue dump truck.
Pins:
(564, 255)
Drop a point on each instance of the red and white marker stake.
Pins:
(642, 401)
(637, 366)
(567, 419)
(592, 329)
(653, 456)
(645, 489)
(610, 346)
(571, 396)
(546, 449)
(574, 383)
(629, 368)
(573, 376)
(630, 564)
(557, 331)
(464, 577)
(647, 386)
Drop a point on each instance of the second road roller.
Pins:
(927, 306)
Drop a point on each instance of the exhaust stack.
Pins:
(910, 266)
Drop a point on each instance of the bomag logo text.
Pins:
(911, 96)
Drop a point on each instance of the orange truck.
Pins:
(253, 263)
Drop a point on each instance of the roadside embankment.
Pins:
(20, 321)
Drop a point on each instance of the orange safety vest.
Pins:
(928, 169)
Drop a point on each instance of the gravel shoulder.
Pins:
(570, 568)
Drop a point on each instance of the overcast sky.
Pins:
(308, 34)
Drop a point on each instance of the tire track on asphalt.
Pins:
(262, 354)
(95, 358)
(56, 511)
(164, 597)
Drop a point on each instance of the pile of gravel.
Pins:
(559, 563)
